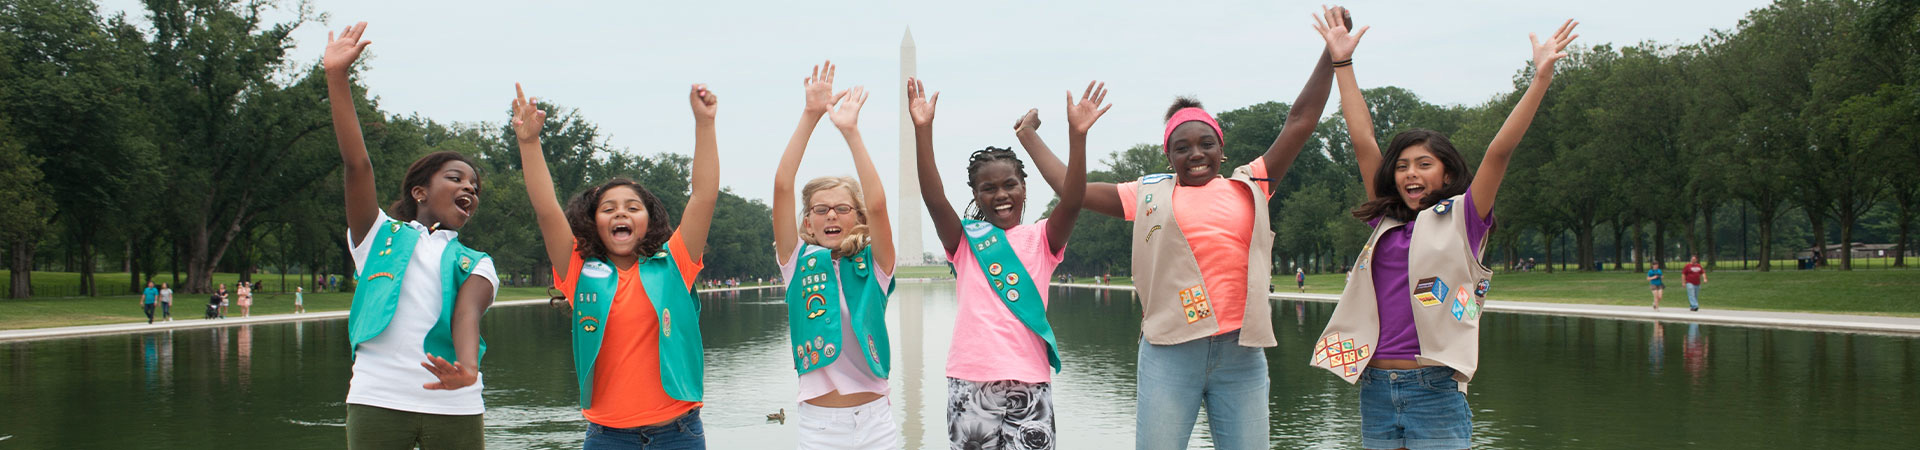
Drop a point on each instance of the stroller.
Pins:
(213, 306)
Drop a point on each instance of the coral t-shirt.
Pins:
(626, 376)
(1217, 219)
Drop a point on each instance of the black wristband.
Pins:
(1343, 62)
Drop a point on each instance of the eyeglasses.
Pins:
(821, 210)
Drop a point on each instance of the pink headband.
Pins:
(1185, 115)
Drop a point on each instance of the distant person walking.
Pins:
(1658, 279)
(166, 302)
(1694, 275)
(299, 301)
(222, 294)
(146, 300)
(246, 299)
(1300, 279)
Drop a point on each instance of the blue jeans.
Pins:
(1693, 296)
(1174, 380)
(685, 432)
(1416, 409)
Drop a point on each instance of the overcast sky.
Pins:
(627, 65)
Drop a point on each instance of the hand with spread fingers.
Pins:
(1080, 116)
(919, 105)
(452, 375)
(528, 119)
(705, 103)
(1547, 53)
(846, 112)
(343, 50)
(819, 87)
(1336, 27)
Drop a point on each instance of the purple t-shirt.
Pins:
(1398, 339)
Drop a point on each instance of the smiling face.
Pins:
(449, 197)
(830, 214)
(1195, 152)
(1418, 173)
(1000, 193)
(621, 219)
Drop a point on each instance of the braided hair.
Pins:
(983, 157)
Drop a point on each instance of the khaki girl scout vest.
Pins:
(813, 309)
(379, 291)
(1449, 287)
(682, 366)
(1011, 282)
(1167, 279)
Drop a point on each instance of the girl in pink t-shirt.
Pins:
(998, 386)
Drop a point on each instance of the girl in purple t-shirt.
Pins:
(1421, 168)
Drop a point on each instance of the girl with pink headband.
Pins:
(1407, 328)
(1201, 258)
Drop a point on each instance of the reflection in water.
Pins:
(1546, 383)
(1657, 349)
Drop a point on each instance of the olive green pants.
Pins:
(376, 428)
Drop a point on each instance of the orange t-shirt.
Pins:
(626, 376)
(1218, 221)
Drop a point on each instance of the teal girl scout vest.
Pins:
(813, 309)
(1011, 281)
(682, 366)
(378, 294)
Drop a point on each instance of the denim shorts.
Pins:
(683, 433)
(1416, 409)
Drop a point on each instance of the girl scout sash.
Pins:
(682, 365)
(1011, 282)
(813, 310)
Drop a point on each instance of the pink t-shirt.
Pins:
(848, 373)
(1218, 221)
(989, 343)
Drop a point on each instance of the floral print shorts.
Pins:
(1002, 414)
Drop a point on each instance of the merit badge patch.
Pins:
(589, 324)
(1013, 296)
(595, 269)
(1480, 289)
(1155, 178)
(466, 263)
(978, 229)
(1194, 301)
(1457, 304)
(1445, 206)
(1332, 352)
(1430, 291)
(831, 350)
(1013, 279)
(666, 322)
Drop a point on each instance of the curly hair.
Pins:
(421, 174)
(980, 159)
(581, 217)
(1182, 102)
(1389, 203)
(856, 235)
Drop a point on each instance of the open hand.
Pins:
(704, 102)
(1080, 116)
(846, 113)
(1333, 26)
(1028, 122)
(819, 88)
(452, 375)
(918, 105)
(1547, 53)
(341, 52)
(528, 119)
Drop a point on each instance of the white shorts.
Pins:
(864, 427)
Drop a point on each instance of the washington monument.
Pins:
(909, 204)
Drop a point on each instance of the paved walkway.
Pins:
(179, 324)
(1843, 323)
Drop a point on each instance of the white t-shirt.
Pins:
(848, 373)
(386, 369)
(166, 295)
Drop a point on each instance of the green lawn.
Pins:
(1873, 292)
(939, 271)
(42, 312)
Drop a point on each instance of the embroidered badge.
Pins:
(595, 269)
(862, 266)
(1430, 291)
(466, 263)
(872, 353)
(396, 227)
(978, 229)
(1458, 304)
(1332, 352)
(1366, 255)
(858, 259)
(1150, 232)
(811, 299)
(1480, 289)
(818, 342)
(378, 275)
(830, 350)
(660, 255)
(666, 322)
(999, 285)
(994, 269)
(1194, 301)
(1013, 279)
(589, 324)
(1013, 296)
(810, 262)
(1444, 207)
(1155, 178)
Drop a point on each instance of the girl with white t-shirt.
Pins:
(414, 328)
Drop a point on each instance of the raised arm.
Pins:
(362, 201)
(528, 120)
(1102, 198)
(698, 216)
(1304, 116)
(946, 223)
(1353, 107)
(1073, 189)
(786, 230)
(1493, 168)
(846, 117)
